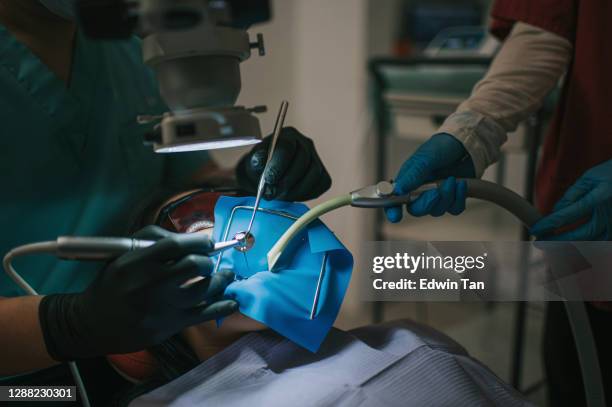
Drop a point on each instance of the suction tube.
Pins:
(476, 188)
(315, 213)
(504, 198)
(528, 215)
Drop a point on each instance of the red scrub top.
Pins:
(580, 135)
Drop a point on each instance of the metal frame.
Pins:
(249, 208)
(315, 301)
(317, 294)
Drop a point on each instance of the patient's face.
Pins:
(196, 215)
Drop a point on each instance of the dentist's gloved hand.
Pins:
(440, 157)
(296, 173)
(589, 198)
(139, 300)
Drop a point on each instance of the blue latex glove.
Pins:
(590, 196)
(440, 157)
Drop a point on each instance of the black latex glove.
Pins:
(296, 171)
(139, 300)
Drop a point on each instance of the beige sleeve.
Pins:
(527, 68)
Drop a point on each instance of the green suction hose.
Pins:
(304, 220)
(485, 190)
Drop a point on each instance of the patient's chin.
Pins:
(238, 323)
(206, 339)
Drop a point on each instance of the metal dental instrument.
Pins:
(381, 195)
(86, 248)
(315, 302)
(278, 126)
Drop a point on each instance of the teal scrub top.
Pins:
(72, 159)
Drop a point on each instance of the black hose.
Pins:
(505, 198)
(576, 311)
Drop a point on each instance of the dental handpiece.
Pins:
(108, 248)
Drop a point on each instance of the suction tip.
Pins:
(272, 260)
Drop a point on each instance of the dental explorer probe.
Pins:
(278, 127)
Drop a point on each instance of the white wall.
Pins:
(332, 108)
(316, 59)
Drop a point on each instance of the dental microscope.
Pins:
(195, 48)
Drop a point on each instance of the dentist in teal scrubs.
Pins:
(72, 162)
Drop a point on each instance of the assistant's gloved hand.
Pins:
(590, 197)
(296, 172)
(139, 300)
(440, 157)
